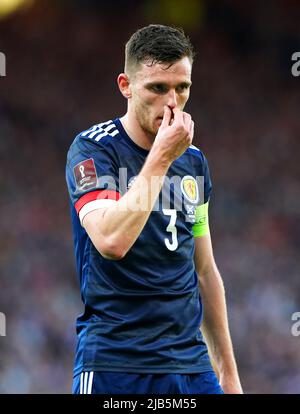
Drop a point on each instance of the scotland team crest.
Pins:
(189, 188)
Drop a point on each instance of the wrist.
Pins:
(158, 161)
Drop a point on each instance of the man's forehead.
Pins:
(181, 67)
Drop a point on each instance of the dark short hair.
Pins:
(157, 43)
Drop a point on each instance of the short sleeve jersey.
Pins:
(142, 313)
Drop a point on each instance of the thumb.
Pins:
(167, 117)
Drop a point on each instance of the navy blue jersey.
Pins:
(142, 313)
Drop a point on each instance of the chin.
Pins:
(152, 129)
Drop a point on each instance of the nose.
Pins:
(172, 99)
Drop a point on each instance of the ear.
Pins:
(124, 85)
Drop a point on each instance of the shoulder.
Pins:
(99, 136)
(100, 132)
(196, 154)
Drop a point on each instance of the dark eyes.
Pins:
(182, 88)
(161, 89)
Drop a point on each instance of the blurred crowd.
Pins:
(62, 64)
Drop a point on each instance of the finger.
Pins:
(178, 115)
(167, 117)
(192, 131)
(187, 119)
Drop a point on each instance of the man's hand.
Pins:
(175, 135)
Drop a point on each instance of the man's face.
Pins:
(158, 85)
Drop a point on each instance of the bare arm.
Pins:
(215, 321)
(113, 230)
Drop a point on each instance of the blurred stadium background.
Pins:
(63, 58)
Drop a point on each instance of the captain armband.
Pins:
(201, 226)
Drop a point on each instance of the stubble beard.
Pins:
(143, 120)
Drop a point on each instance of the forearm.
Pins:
(121, 223)
(215, 322)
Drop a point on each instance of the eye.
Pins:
(182, 88)
(159, 88)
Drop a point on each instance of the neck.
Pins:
(138, 135)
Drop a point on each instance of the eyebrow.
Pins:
(152, 83)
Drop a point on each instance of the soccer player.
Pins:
(139, 195)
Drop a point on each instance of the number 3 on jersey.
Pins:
(172, 229)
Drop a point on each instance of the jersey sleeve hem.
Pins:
(94, 205)
(96, 195)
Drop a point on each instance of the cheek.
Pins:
(150, 100)
(142, 100)
(149, 106)
(184, 98)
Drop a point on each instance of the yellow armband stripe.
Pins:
(201, 226)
